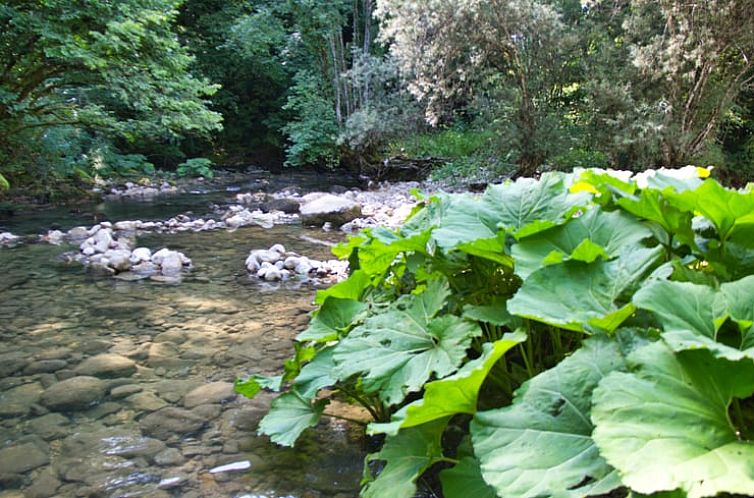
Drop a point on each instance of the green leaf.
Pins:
(652, 205)
(397, 351)
(541, 445)
(583, 297)
(406, 457)
(316, 374)
(596, 234)
(464, 480)
(529, 206)
(731, 211)
(683, 306)
(494, 314)
(332, 319)
(665, 426)
(351, 288)
(451, 395)
(384, 246)
(522, 208)
(255, 383)
(4, 183)
(290, 414)
(465, 219)
(739, 297)
(397, 355)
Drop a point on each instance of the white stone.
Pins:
(102, 240)
(231, 467)
(118, 259)
(171, 264)
(160, 255)
(141, 254)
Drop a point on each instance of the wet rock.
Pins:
(54, 354)
(169, 457)
(207, 412)
(44, 486)
(146, 402)
(22, 458)
(115, 442)
(103, 410)
(77, 393)
(171, 421)
(50, 426)
(17, 402)
(44, 366)
(165, 355)
(216, 392)
(11, 363)
(125, 391)
(285, 204)
(329, 208)
(107, 366)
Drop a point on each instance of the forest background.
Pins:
(497, 88)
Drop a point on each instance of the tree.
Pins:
(519, 52)
(113, 69)
(693, 58)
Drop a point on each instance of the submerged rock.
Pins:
(22, 458)
(216, 392)
(107, 366)
(77, 393)
(172, 421)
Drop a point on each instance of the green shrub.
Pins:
(196, 167)
(585, 333)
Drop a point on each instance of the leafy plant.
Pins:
(584, 333)
(198, 166)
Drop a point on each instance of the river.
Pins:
(160, 419)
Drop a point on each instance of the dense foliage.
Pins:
(567, 336)
(84, 81)
(99, 87)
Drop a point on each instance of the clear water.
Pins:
(218, 324)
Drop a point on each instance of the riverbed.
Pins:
(158, 417)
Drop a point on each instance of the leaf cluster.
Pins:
(572, 335)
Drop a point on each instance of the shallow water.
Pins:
(216, 325)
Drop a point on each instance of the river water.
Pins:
(158, 418)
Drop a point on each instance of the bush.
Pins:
(196, 167)
(551, 337)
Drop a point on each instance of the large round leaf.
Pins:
(541, 445)
(586, 238)
(583, 297)
(665, 426)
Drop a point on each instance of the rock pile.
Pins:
(146, 190)
(275, 264)
(105, 251)
(8, 239)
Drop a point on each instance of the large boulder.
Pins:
(77, 393)
(22, 458)
(108, 366)
(329, 208)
